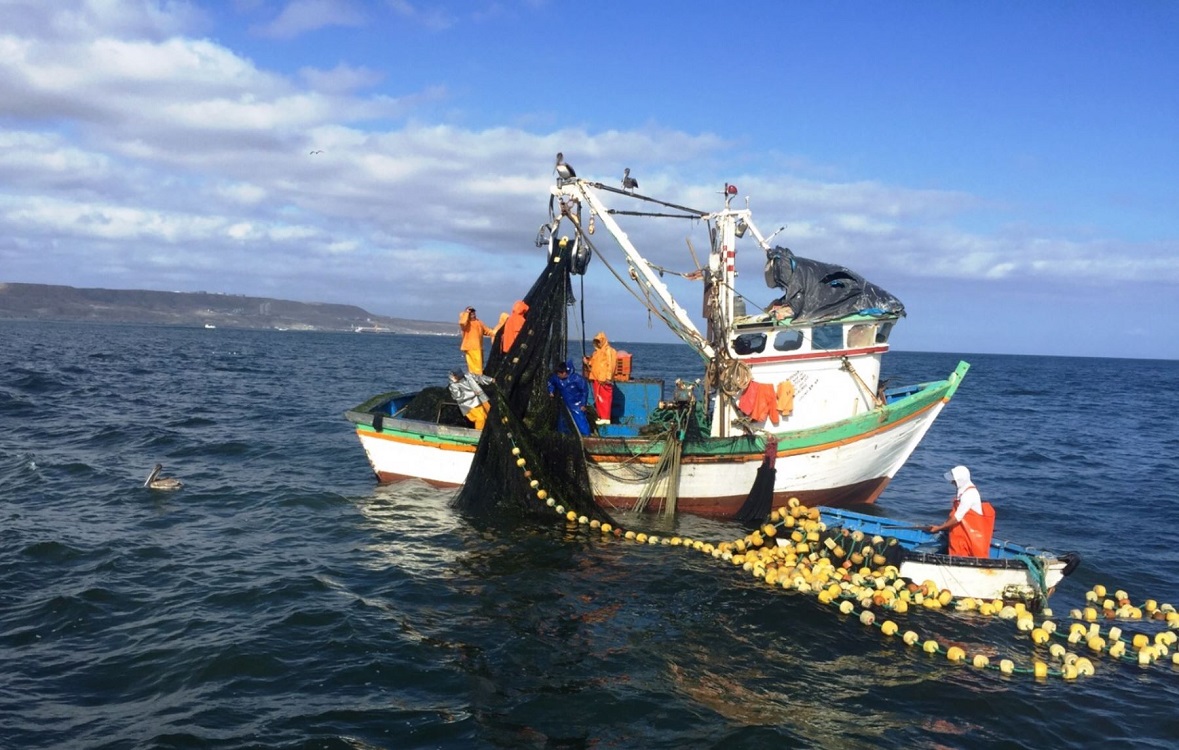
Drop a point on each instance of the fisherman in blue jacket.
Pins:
(574, 391)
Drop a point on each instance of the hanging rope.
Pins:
(735, 377)
(1039, 575)
(644, 297)
(847, 365)
(667, 471)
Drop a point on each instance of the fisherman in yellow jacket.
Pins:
(602, 364)
(473, 331)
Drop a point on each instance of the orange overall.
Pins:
(971, 537)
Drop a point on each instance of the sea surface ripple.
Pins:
(282, 599)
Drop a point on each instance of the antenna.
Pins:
(775, 233)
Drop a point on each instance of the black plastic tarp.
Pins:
(818, 291)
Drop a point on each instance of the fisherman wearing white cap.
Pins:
(971, 521)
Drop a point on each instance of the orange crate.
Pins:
(622, 367)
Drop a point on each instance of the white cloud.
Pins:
(140, 143)
(79, 20)
(301, 16)
(424, 14)
(340, 79)
(241, 192)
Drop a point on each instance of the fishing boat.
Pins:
(1011, 573)
(795, 383)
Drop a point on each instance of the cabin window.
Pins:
(787, 341)
(827, 337)
(861, 335)
(749, 343)
(882, 333)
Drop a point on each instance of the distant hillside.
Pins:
(67, 303)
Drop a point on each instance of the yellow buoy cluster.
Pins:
(1118, 606)
(571, 516)
(851, 572)
(1139, 647)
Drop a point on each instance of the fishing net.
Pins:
(522, 461)
(857, 550)
(435, 404)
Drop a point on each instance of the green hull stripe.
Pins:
(788, 442)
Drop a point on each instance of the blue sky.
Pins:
(1008, 169)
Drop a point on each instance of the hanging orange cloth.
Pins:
(513, 325)
(971, 537)
(786, 398)
(748, 401)
(759, 402)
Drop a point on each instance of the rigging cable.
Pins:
(644, 299)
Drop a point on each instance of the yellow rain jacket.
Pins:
(603, 361)
(473, 331)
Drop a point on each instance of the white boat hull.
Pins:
(394, 458)
(1006, 584)
(847, 464)
(838, 474)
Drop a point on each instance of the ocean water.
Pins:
(282, 599)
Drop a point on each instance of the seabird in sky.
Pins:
(317, 152)
(564, 171)
(628, 182)
(157, 482)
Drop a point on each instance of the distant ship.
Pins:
(209, 325)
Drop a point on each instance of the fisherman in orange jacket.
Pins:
(512, 325)
(602, 364)
(971, 522)
(473, 331)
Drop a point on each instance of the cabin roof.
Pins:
(763, 320)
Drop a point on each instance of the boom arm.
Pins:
(671, 311)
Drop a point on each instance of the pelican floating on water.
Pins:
(157, 482)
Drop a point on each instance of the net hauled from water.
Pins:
(522, 461)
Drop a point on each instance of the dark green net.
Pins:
(523, 419)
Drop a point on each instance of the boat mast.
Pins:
(720, 294)
(731, 224)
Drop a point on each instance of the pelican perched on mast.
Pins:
(564, 171)
(629, 184)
